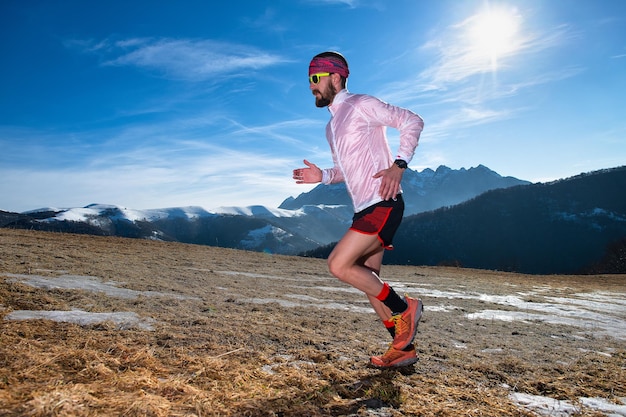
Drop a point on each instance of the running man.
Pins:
(363, 160)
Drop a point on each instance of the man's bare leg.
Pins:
(344, 264)
(374, 262)
(356, 260)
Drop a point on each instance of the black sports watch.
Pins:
(401, 163)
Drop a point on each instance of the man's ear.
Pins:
(336, 80)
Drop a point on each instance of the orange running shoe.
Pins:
(395, 358)
(406, 323)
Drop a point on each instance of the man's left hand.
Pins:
(390, 185)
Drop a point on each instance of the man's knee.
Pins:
(336, 268)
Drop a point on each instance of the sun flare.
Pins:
(494, 33)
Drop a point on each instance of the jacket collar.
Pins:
(338, 100)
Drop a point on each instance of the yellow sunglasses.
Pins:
(315, 78)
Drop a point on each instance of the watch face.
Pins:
(400, 163)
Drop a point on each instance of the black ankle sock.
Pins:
(395, 303)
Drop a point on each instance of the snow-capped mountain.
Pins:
(423, 191)
(256, 228)
(312, 219)
(472, 217)
(94, 212)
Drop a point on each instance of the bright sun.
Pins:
(494, 33)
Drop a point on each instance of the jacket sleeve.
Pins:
(332, 175)
(409, 124)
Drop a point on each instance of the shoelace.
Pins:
(401, 325)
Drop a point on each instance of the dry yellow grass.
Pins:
(250, 334)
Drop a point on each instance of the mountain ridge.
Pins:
(563, 226)
(309, 223)
(569, 226)
(423, 191)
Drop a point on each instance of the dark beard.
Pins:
(322, 102)
(326, 97)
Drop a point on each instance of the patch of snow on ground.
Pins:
(317, 304)
(606, 318)
(79, 282)
(600, 404)
(602, 313)
(122, 320)
(546, 406)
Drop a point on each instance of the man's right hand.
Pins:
(309, 175)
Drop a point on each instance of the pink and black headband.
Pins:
(328, 64)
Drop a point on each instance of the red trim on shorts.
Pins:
(372, 223)
(381, 219)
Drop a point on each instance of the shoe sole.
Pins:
(401, 364)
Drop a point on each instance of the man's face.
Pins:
(324, 92)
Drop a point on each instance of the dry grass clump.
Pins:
(224, 345)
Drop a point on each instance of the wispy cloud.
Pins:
(458, 58)
(182, 59)
(269, 20)
(286, 132)
(463, 78)
(201, 161)
(182, 172)
(350, 3)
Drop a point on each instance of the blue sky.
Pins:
(153, 104)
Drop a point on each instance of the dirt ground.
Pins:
(201, 331)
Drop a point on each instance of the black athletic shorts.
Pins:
(382, 219)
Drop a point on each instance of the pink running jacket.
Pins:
(356, 134)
